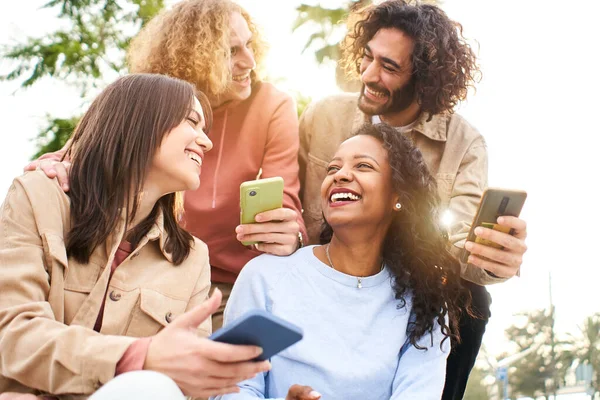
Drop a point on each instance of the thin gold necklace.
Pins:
(358, 278)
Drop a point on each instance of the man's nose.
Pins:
(246, 59)
(370, 74)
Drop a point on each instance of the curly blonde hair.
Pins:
(191, 42)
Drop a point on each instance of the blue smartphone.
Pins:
(260, 328)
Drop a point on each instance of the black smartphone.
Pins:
(495, 203)
(260, 328)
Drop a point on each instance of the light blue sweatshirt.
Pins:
(353, 338)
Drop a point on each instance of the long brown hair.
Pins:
(111, 151)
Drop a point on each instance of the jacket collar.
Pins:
(156, 232)
(434, 129)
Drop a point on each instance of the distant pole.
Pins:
(552, 342)
(550, 288)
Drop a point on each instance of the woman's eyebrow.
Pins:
(198, 116)
(366, 156)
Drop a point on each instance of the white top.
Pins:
(353, 337)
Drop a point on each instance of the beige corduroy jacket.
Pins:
(49, 303)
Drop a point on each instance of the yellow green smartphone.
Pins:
(259, 196)
(495, 203)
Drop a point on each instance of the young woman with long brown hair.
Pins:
(102, 280)
(216, 46)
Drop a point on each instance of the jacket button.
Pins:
(114, 296)
(169, 317)
(134, 255)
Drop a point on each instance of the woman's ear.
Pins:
(397, 204)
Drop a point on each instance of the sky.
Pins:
(535, 106)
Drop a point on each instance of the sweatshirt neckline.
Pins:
(234, 103)
(345, 279)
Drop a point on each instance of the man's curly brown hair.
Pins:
(444, 65)
(191, 42)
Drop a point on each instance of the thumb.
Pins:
(198, 314)
(300, 392)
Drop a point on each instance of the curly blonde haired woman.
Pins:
(214, 45)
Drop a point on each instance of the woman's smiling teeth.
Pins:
(344, 197)
(194, 157)
(241, 78)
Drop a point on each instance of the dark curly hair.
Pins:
(416, 248)
(444, 65)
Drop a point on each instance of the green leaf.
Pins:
(312, 38)
(329, 52)
(93, 43)
(55, 134)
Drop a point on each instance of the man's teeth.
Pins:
(240, 78)
(194, 157)
(344, 196)
(376, 94)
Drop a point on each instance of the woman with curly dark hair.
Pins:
(415, 66)
(378, 300)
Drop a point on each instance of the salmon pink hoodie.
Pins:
(260, 132)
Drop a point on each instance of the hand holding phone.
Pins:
(495, 203)
(260, 328)
(259, 196)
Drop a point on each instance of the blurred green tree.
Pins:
(476, 389)
(91, 45)
(586, 349)
(546, 360)
(328, 26)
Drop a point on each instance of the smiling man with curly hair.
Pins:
(415, 67)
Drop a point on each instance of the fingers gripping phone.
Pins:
(259, 196)
(260, 328)
(495, 203)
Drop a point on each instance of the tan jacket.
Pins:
(454, 151)
(49, 303)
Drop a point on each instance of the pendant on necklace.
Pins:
(359, 283)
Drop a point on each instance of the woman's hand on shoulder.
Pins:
(53, 168)
(200, 366)
(276, 230)
(299, 392)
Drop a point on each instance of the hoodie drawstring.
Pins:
(216, 177)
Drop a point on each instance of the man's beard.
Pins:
(401, 99)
